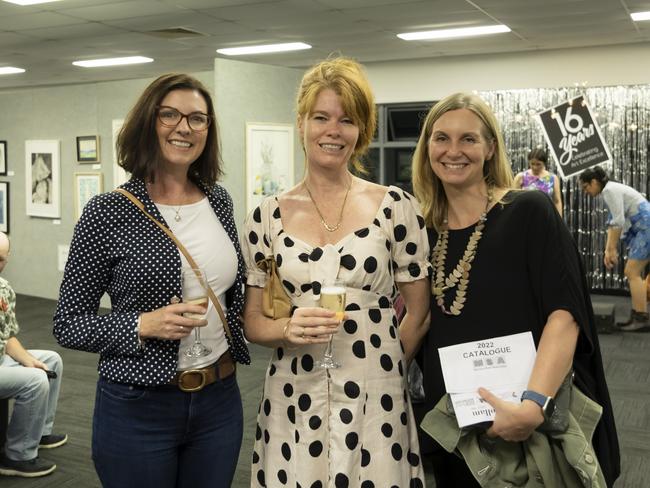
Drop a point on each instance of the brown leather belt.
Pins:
(193, 380)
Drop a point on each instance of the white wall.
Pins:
(432, 79)
(247, 92)
(250, 92)
(60, 113)
(243, 92)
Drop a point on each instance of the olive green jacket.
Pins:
(558, 458)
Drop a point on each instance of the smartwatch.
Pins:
(546, 402)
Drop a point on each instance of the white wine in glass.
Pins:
(202, 301)
(195, 292)
(332, 297)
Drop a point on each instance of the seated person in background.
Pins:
(23, 377)
(538, 178)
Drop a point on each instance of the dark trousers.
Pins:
(450, 471)
(165, 438)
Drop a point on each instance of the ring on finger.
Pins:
(302, 332)
(182, 328)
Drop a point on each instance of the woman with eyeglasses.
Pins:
(629, 221)
(163, 418)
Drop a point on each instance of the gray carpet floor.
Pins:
(626, 358)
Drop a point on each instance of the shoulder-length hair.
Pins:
(594, 173)
(539, 153)
(427, 186)
(348, 80)
(138, 150)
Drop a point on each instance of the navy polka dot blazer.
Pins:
(118, 250)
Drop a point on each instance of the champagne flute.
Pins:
(332, 297)
(195, 292)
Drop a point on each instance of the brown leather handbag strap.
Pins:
(170, 234)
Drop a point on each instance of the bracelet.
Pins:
(137, 333)
(285, 329)
(285, 335)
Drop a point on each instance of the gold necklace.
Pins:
(328, 227)
(459, 277)
(177, 217)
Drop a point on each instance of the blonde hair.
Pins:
(348, 80)
(427, 186)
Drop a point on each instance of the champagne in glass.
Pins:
(332, 297)
(195, 292)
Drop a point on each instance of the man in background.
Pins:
(33, 379)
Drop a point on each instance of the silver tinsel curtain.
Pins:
(622, 112)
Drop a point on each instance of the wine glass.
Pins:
(195, 292)
(332, 297)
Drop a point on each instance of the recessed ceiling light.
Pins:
(10, 70)
(640, 16)
(263, 49)
(97, 63)
(29, 2)
(454, 33)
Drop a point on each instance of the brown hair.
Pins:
(594, 173)
(427, 186)
(539, 154)
(347, 79)
(138, 150)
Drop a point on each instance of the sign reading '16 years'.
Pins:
(574, 137)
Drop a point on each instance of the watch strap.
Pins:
(538, 398)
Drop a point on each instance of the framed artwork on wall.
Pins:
(4, 207)
(42, 179)
(88, 149)
(3, 157)
(86, 186)
(119, 175)
(269, 161)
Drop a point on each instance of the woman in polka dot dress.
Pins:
(162, 419)
(352, 426)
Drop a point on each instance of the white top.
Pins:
(622, 202)
(207, 242)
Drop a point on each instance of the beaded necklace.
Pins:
(459, 277)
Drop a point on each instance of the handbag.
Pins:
(414, 378)
(276, 304)
(181, 248)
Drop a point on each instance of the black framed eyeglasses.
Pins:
(171, 117)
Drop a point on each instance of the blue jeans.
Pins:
(161, 437)
(35, 399)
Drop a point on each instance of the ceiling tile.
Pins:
(44, 39)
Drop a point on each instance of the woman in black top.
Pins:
(522, 273)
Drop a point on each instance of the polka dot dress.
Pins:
(358, 428)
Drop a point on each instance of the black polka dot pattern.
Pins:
(359, 349)
(304, 402)
(314, 422)
(351, 440)
(306, 409)
(348, 262)
(350, 326)
(346, 416)
(116, 248)
(282, 476)
(370, 264)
